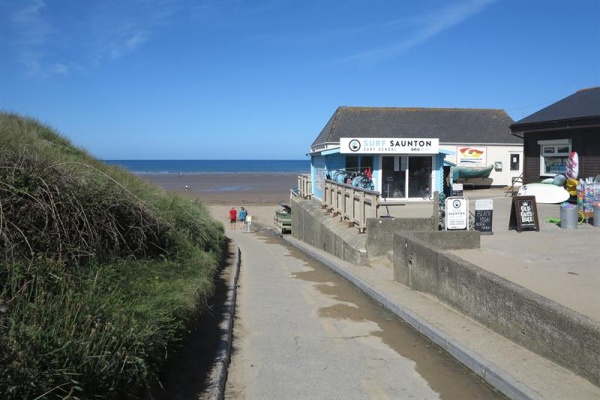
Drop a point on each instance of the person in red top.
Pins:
(232, 217)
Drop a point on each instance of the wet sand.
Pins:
(260, 194)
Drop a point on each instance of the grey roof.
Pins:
(581, 108)
(450, 125)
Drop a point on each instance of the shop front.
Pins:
(400, 169)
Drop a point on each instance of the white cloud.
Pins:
(60, 69)
(49, 38)
(126, 44)
(423, 28)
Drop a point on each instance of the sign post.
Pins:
(484, 211)
(523, 214)
(249, 221)
(457, 213)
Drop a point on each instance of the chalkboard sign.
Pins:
(484, 211)
(523, 214)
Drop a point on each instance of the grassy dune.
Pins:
(100, 272)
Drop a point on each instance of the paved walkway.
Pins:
(302, 332)
(560, 264)
(515, 371)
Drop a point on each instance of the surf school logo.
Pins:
(471, 152)
(472, 156)
(354, 145)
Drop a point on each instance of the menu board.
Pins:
(523, 214)
(484, 212)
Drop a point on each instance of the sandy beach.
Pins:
(260, 194)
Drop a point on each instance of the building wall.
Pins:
(320, 166)
(493, 153)
(586, 142)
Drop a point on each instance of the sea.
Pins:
(212, 166)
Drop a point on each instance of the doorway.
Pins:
(406, 177)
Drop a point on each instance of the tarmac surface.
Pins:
(557, 263)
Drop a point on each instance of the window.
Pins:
(514, 162)
(553, 156)
(406, 176)
(356, 163)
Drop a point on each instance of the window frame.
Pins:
(554, 145)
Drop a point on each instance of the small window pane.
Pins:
(352, 163)
(563, 149)
(549, 150)
(556, 165)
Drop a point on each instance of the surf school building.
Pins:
(551, 134)
(408, 152)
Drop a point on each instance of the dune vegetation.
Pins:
(101, 273)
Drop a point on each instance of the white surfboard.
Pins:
(545, 193)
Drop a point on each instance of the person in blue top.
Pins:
(242, 216)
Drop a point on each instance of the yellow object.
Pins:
(571, 186)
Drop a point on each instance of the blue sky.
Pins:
(259, 79)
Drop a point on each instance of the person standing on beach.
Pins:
(243, 214)
(232, 217)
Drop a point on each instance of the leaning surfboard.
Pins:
(573, 166)
(545, 193)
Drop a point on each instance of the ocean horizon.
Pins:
(212, 166)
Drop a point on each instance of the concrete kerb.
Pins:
(494, 375)
(218, 374)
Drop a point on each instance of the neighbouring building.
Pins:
(551, 134)
(409, 152)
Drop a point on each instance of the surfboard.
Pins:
(558, 180)
(573, 166)
(544, 193)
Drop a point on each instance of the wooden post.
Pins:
(436, 210)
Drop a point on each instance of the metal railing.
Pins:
(350, 203)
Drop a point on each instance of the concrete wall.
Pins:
(535, 322)
(312, 225)
(380, 232)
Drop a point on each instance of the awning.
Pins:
(326, 152)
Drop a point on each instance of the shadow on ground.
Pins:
(188, 371)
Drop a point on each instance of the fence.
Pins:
(304, 186)
(351, 204)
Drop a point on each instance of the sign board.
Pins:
(457, 189)
(484, 212)
(389, 145)
(523, 214)
(457, 213)
(471, 156)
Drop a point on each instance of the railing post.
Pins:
(362, 217)
(436, 210)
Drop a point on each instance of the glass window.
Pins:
(406, 176)
(554, 157)
(419, 184)
(392, 178)
(351, 163)
(514, 162)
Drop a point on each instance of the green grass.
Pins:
(101, 273)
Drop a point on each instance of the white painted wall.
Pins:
(494, 153)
